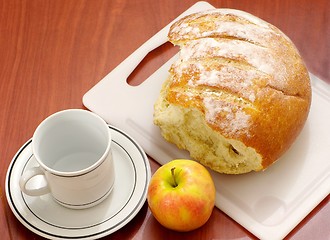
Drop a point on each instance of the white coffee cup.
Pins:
(73, 150)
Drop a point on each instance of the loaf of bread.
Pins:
(238, 95)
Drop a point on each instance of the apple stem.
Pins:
(173, 176)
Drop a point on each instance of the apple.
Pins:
(181, 195)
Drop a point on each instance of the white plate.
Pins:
(45, 217)
(269, 204)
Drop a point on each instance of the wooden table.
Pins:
(52, 52)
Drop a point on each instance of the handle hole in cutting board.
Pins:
(154, 60)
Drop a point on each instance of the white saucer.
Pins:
(45, 217)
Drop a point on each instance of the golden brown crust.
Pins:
(244, 75)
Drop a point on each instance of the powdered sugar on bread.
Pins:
(237, 96)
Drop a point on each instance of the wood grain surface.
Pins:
(53, 51)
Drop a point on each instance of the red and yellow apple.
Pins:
(181, 195)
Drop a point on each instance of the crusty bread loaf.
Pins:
(238, 95)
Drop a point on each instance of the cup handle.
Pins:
(27, 176)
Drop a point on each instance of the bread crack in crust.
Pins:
(239, 94)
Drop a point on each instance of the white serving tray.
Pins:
(269, 204)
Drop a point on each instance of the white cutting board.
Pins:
(269, 204)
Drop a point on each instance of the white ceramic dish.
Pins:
(269, 204)
(47, 218)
